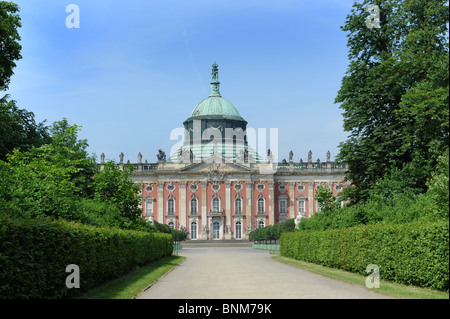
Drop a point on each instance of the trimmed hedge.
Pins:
(272, 232)
(34, 255)
(412, 254)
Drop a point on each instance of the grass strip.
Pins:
(386, 287)
(133, 283)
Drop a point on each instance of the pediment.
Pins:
(216, 166)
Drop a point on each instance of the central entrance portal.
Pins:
(216, 230)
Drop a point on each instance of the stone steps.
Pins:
(216, 243)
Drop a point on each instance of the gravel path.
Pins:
(246, 273)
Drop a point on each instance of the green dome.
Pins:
(216, 107)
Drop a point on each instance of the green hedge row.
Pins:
(272, 232)
(412, 254)
(177, 235)
(34, 255)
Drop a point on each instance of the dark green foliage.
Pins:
(18, 129)
(412, 254)
(46, 181)
(439, 187)
(114, 185)
(272, 232)
(9, 41)
(395, 94)
(66, 144)
(390, 202)
(105, 214)
(35, 253)
(163, 228)
(328, 203)
(178, 235)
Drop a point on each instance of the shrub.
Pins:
(178, 235)
(272, 232)
(35, 253)
(411, 253)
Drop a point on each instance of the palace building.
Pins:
(217, 187)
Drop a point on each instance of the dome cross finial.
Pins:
(215, 84)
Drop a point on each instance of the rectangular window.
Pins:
(237, 206)
(149, 208)
(238, 230)
(301, 206)
(194, 230)
(216, 204)
(319, 208)
(282, 206)
(261, 205)
(170, 206)
(193, 205)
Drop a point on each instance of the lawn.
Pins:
(386, 287)
(132, 284)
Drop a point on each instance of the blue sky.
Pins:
(135, 70)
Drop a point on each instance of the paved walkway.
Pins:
(246, 273)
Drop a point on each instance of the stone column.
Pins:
(292, 212)
(271, 203)
(182, 196)
(160, 189)
(227, 206)
(249, 207)
(310, 198)
(204, 213)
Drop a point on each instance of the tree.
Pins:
(113, 184)
(439, 186)
(46, 181)
(9, 41)
(18, 129)
(37, 184)
(328, 203)
(66, 143)
(396, 72)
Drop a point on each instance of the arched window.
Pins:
(260, 224)
(193, 205)
(215, 204)
(171, 225)
(193, 230)
(261, 205)
(238, 205)
(171, 206)
(238, 231)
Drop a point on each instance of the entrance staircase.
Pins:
(216, 243)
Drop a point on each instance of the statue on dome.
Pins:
(215, 72)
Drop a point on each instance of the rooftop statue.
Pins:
(215, 72)
(161, 155)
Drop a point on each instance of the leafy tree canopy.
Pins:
(9, 41)
(395, 93)
(18, 129)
